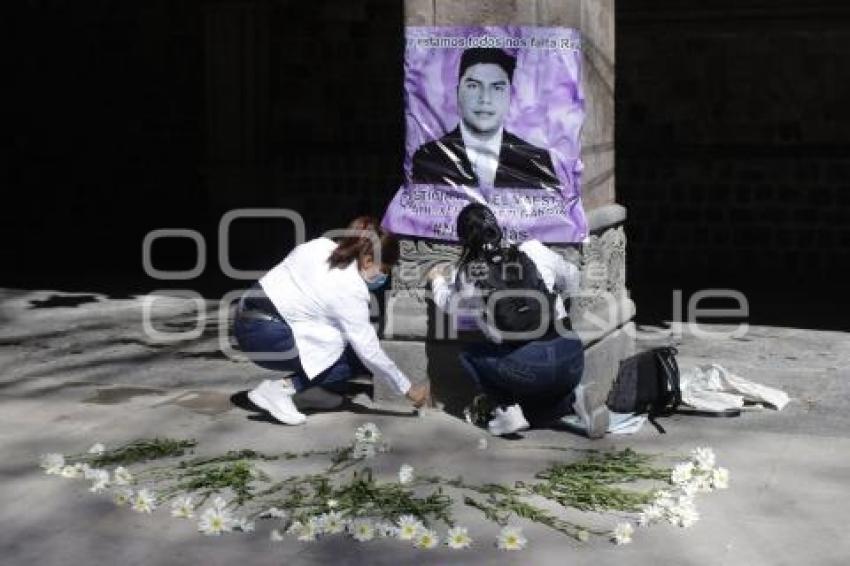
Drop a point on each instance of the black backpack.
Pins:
(511, 270)
(648, 383)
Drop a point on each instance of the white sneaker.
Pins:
(595, 419)
(276, 398)
(507, 421)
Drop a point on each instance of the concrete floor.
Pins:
(80, 369)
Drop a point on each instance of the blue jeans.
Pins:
(539, 375)
(275, 336)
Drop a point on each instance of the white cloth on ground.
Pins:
(714, 388)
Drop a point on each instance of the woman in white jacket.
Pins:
(535, 379)
(310, 316)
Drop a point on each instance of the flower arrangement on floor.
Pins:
(230, 492)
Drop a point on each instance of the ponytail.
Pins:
(365, 232)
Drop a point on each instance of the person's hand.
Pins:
(439, 270)
(419, 394)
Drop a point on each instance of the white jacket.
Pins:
(327, 308)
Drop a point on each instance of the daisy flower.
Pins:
(122, 476)
(332, 503)
(332, 523)
(363, 530)
(683, 515)
(97, 448)
(426, 538)
(650, 514)
(144, 501)
(53, 463)
(458, 537)
(70, 472)
(275, 536)
(622, 533)
(682, 473)
(405, 474)
(703, 458)
(720, 478)
(511, 538)
(408, 526)
(306, 532)
(386, 529)
(183, 507)
(215, 521)
(368, 433)
(101, 480)
(219, 503)
(122, 497)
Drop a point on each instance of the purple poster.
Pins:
(493, 115)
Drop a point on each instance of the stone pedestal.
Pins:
(414, 334)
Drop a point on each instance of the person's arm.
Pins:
(352, 315)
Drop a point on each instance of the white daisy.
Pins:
(144, 501)
(704, 458)
(122, 497)
(332, 523)
(219, 503)
(122, 476)
(650, 514)
(97, 448)
(683, 515)
(458, 537)
(622, 533)
(183, 507)
(408, 526)
(720, 478)
(511, 538)
(215, 521)
(101, 480)
(53, 463)
(70, 472)
(306, 532)
(426, 538)
(363, 530)
(386, 529)
(332, 503)
(691, 488)
(275, 536)
(405, 474)
(682, 473)
(368, 433)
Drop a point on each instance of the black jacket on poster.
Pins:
(521, 165)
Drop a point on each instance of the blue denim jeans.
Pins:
(539, 375)
(275, 336)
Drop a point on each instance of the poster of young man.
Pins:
(493, 115)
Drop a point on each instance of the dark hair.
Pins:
(478, 231)
(495, 56)
(361, 244)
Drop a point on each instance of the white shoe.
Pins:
(593, 419)
(507, 421)
(276, 398)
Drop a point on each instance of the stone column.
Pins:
(603, 312)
